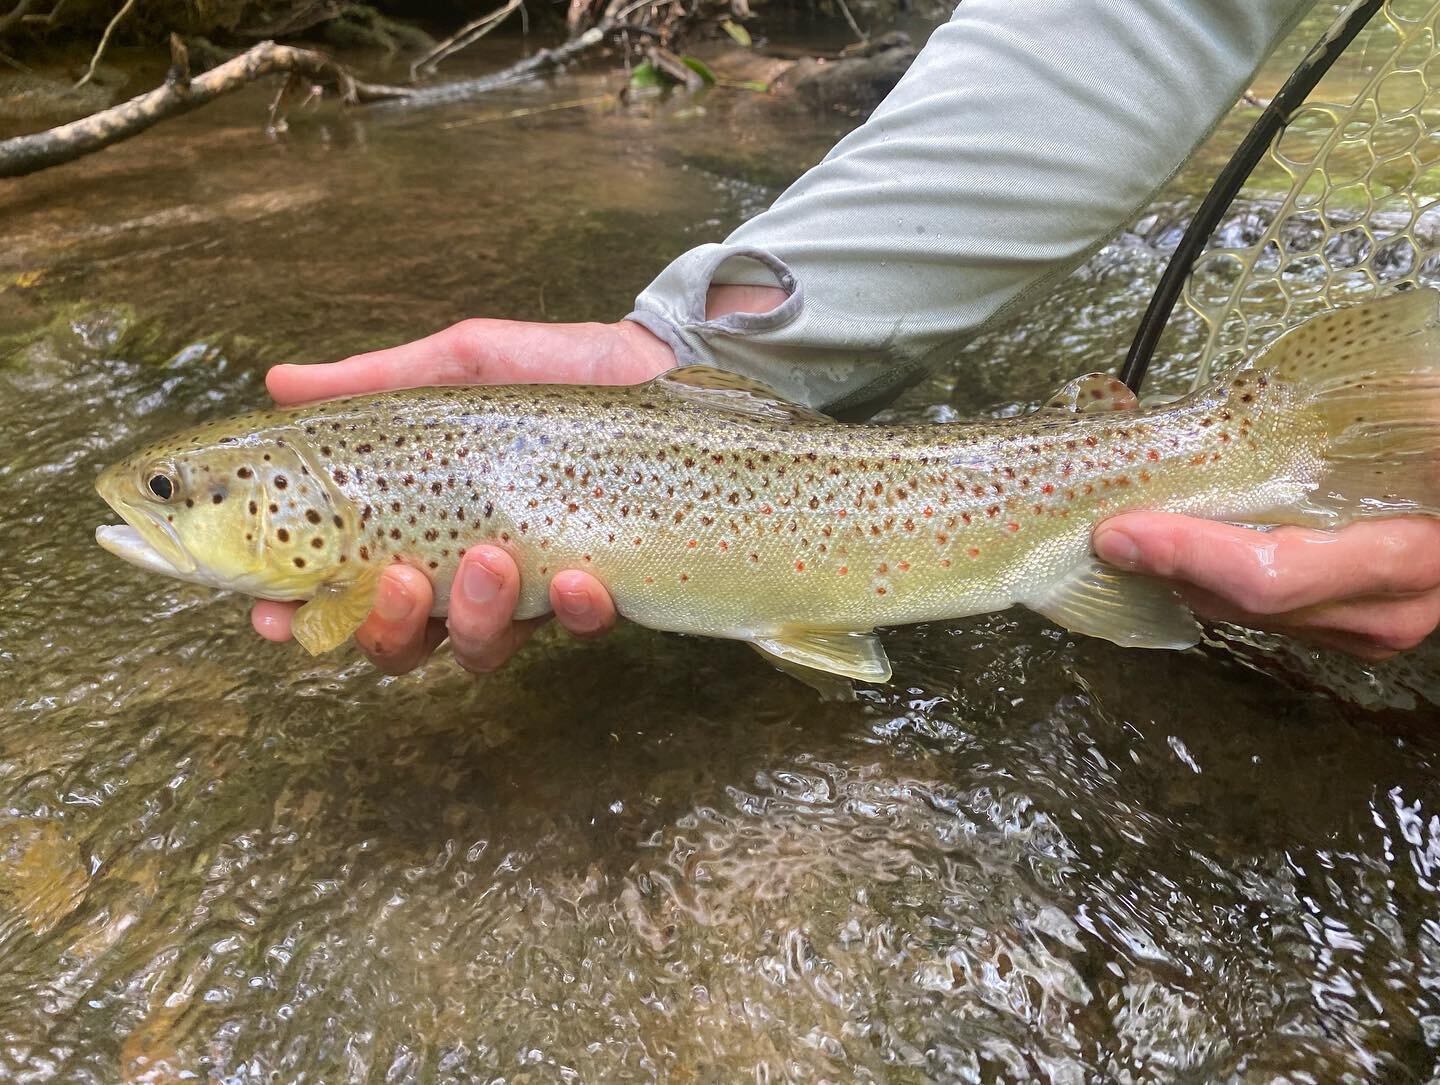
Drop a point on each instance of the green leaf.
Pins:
(645, 74)
(700, 68)
(736, 31)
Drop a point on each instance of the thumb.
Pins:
(1234, 563)
(1270, 572)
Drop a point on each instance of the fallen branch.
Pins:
(104, 41)
(27, 154)
(536, 64)
(14, 17)
(468, 35)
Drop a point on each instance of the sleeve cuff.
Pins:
(673, 306)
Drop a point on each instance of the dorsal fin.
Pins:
(1092, 392)
(719, 390)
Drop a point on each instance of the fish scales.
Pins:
(707, 506)
(717, 525)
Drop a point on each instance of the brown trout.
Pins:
(708, 506)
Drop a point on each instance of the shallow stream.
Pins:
(1033, 857)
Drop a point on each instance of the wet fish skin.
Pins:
(707, 506)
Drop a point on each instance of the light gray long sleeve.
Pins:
(1025, 135)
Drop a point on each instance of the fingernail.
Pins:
(1117, 548)
(573, 604)
(393, 602)
(479, 584)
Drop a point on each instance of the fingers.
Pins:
(1374, 627)
(272, 620)
(453, 356)
(582, 604)
(485, 352)
(483, 636)
(1271, 573)
(398, 635)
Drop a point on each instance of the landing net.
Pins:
(1345, 206)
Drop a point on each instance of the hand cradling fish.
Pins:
(707, 505)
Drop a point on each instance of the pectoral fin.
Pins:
(335, 612)
(1129, 610)
(832, 651)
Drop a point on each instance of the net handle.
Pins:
(1272, 121)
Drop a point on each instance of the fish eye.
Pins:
(161, 485)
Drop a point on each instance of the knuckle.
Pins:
(1400, 630)
(385, 659)
(1270, 590)
(480, 659)
(472, 626)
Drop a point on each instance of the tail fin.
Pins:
(1372, 372)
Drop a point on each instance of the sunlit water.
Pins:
(1033, 857)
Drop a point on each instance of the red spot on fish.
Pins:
(974, 551)
(1013, 526)
(944, 563)
(1153, 456)
(844, 569)
(904, 566)
(879, 591)
(799, 566)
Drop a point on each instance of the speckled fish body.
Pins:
(708, 507)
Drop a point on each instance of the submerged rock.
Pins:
(857, 83)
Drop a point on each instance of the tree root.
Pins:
(180, 94)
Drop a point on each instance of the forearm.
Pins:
(1024, 136)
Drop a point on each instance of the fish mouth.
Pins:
(127, 542)
(144, 539)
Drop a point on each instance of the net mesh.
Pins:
(1345, 206)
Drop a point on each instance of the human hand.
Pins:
(1371, 589)
(399, 634)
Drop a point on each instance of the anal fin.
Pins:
(831, 651)
(1124, 608)
(334, 613)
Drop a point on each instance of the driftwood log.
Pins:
(180, 94)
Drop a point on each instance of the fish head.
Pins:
(239, 506)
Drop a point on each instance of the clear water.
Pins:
(1034, 857)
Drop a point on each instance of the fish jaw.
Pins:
(143, 539)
